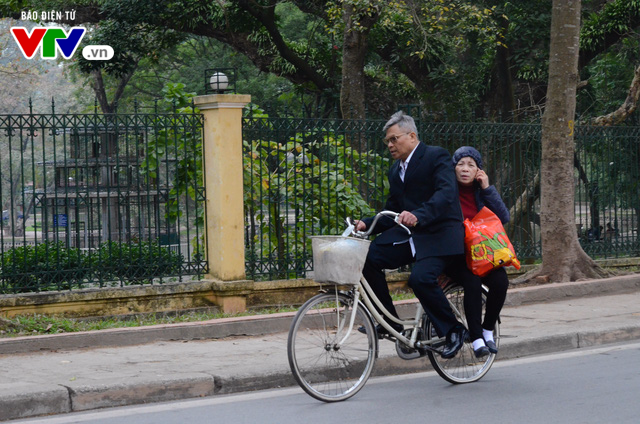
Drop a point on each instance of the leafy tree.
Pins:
(414, 35)
(187, 62)
(131, 43)
(614, 21)
(609, 55)
(609, 79)
(461, 55)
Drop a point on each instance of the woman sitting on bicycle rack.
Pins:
(475, 192)
(423, 189)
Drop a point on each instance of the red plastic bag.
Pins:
(487, 246)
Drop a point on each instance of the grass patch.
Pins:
(38, 324)
(403, 295)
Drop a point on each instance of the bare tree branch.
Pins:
(627, 108)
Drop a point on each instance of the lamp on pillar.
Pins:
(220, 80)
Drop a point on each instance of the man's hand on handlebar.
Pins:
(408, 219)
(360, 226)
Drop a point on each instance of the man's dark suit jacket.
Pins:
(430, 192)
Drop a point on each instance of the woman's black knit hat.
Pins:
(467, 151)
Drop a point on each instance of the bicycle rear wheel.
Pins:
(324, 368)
(464, 367)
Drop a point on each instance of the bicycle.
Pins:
(330, 359)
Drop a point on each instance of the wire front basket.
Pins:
(338, 259)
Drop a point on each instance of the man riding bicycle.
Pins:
(423, 189)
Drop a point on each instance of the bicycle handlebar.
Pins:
(363, 234)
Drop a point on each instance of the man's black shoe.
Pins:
(455, 340)
(382, 332)
(492, 346)
(481, 352)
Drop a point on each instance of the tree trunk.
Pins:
(521, 210)
(357, 25)
(501, 98)
(100, 90)
(562, 256)
(101, 93)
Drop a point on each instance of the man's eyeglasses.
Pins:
(394, 138)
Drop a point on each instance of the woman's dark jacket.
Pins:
(490, 198)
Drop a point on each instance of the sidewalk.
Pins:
(82, 371)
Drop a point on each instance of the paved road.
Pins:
(62, 373)
(597, 385)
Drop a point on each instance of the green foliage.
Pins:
(304, 183)
(46, 266)
(176, 142)
(616, 17)
(527, 38)
(52, 266)
(131, 43)
(609, 76)
(610, 73)
(440, 52)
(135, 262)
(435, 46)
(427, 38)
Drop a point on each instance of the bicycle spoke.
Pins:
(324, 369)
(464, 367)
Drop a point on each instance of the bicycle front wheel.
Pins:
(325, 364)
(464, 367)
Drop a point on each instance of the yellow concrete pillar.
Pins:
(222, 161)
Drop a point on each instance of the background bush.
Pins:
(137, 262)
(47, 266)
(52, 266)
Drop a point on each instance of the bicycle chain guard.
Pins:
(408, 353)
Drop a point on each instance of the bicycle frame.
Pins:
(362, 293)
(369, 298)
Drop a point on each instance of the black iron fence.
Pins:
(303, 176)
(607, 172)
(99, 200)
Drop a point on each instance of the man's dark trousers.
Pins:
(423, 281)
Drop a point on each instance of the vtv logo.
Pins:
(49, 38)
(55, 38)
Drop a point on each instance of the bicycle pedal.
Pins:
(407, 353)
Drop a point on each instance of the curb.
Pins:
(276, 323)
(132, 336)
(559, 291)
(116, 393)
(23, 401)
